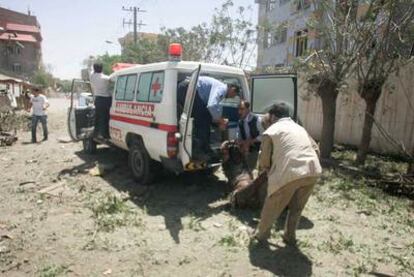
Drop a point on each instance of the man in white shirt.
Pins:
(103, 100)
(249, 133)
(39, 104)
(289, 156)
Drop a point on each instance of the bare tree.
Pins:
(328, 67)
(388, 33)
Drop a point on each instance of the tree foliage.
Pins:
(43, 78)
(229, 38)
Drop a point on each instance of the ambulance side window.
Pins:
(150, 87)
(130, 87)
(120, 87)
(144, 86)
(157, 87)
(125, 87)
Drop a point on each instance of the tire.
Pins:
(89, 146)
(140, 164)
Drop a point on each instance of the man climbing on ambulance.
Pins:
(207, 110)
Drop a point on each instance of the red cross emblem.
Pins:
(156, 87)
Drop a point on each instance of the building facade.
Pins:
(20, 43)
(283, 31)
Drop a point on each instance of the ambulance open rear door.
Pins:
(186, 123)
(269, 89)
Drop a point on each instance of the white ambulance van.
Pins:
(145, 119)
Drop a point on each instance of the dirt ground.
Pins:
(57, 219)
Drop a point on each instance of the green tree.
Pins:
(230, 38)
(43, 78)
(108, 61)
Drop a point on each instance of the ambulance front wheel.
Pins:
(89, 146)
(140, 164)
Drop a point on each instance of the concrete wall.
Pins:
(395, 112)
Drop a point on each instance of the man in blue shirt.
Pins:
(207, 109)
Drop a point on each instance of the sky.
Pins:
(73, 30)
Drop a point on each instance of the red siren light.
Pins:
(175, 51)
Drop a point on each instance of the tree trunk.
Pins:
(371, 95)
(328, 93)
(366, 132)
(410, 170)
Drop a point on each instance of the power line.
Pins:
(135, 10)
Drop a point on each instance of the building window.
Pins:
(268, 40)
(302, 4)
(10, 50)
(270, 5)
(280, 35)
(17, 50)
(17, 67)
(301, 43)
(282, 2)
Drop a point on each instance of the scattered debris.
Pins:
(7, 139)
(4, 249)
(101, 169)
(27, 183)
(96, 171)
(5, 236)
(64, 140)
(31, 161)
(56, 190)
(107, 272)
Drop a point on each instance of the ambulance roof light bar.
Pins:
(175, 52)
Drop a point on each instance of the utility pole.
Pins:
(135, 11)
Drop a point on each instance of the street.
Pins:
(65, 212)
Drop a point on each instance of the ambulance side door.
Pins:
(81, 112)
(186, 120)
(268, 89)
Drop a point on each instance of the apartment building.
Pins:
(20, 43)
(283, 32)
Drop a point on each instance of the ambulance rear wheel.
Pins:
(140, 163)
(89, 146)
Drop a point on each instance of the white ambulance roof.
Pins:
(206, 67)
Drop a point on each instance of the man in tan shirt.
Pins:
(288, 155)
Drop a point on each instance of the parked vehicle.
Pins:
(145, 119)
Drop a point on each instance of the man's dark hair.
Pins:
(235, 87)
(245, 103)
(97, 67)
(280, 110)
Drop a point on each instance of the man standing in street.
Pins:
(103, 101)
(39, 104)
(249, 134)
(289, 156)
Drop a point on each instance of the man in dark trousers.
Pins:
(249, 134)
(39, 105)
(206, 109)
(103, 101)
